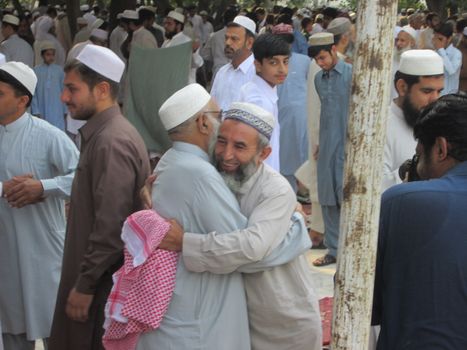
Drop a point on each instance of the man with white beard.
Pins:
(405, 40)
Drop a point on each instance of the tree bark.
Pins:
(72, 12)
(362, 174)
(117, 6)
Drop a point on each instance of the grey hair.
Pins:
(262, 141)
(184, 127)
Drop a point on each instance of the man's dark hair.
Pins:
(235, 25)
(445, 29)
(446, 117)
(287, 11)
(145, 14)
(313, 51)
(284, 18)
(18, 88)
(411, 80)
(430, 16)
(52, 11)
(330, 12)
(268, 45)
(136, 22)
(306, 21)
(91, 77)
(229, 15)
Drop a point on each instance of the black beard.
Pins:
(411, 114)
(169, 35)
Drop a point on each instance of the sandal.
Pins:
(324, 260)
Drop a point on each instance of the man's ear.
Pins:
(265, 153)
(202, 124)
(441, 148)
(402, 88)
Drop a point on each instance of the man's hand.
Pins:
(145, 194)
(173, 240)
(195, 46)
(77, 306)
(24, 191)
(9, 184)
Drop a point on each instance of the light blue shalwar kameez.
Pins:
(207, 311)
(333, 88)
(46, 101)
(31, 238)
(293, 117)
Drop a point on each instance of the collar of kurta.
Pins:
(248, 185)
(18, 123)
(245, 65)
(97, 122)
(339, 67)
(269, 91)
(190, 148)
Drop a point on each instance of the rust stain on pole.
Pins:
(362, 174)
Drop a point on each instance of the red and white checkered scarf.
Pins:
(143, 286)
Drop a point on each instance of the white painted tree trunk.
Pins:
(366, 136)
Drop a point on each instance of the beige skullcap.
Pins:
(22, 73)
(47, 45)
(321, 39)
(246, 23)
(182, 105)
(103, 61)
(339, 25)
(421, 63)
(176, 16)
(11, 20)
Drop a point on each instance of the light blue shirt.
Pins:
(31, 238)
(46, 101)
(333, 88)
(207, 311)
(452, 60)
(292, 105)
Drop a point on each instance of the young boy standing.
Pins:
(333, 84)
(271, 63)
(46, 102)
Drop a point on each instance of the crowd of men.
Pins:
(86, 230)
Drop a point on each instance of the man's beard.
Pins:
(170, 35)
(398, 52)
(411, 114)
(213, 139)
(235, 181)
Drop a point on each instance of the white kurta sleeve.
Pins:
(451, 65)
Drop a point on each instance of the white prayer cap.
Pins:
(2, 59)
(465, 31)
(47, 45)
(97, 23)
(84, 7)
(99, 34)
(246, 23)
(339, 25)
(176, 16)
(103, 61)
(397, 29)
(409, 30)
(256, 117)
(421, 63)
(11, 20)
(119, 15)
(22, 73)
(203, 13)
(321, 39)
(183, 105)
(130, 14)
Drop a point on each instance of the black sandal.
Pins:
(324, 260)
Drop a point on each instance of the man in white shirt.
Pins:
(13, 47)
(173, 25)
(405, 40)
(206, 28)
(419, 82)
(140, 36)
(452, 57)
(239, 39)
(117, 37)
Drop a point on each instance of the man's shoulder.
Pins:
(273, 183)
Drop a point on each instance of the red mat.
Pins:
(325, 308)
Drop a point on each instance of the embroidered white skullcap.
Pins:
(2, 59)
(339, 25)
(254, 116)
(409, 30)
(81, 20)
(84, 7)
(103, 61)
(421, 63)
(22, 73)
(47, 45)
(246, 23)
(321, 39)
(11, 20)
(130, 14)
(183, 105)
(99, 34)
(176, 16)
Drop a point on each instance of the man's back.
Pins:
(17, 49)
(207, 311)
(420, 290)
